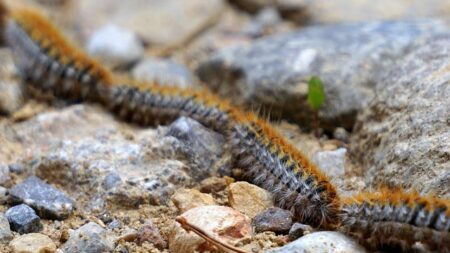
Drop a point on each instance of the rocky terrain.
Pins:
(74, 178)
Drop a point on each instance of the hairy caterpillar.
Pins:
(396, 219)
(49, 63)
(47, 60)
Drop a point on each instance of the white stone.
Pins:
(115, 46)
(331, 162)
(326, 241)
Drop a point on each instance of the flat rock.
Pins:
(48, 201)
(5, 230)
(132, 166)
(89, 238)
(23, 219)
(33, 243)
(179, 19)
(248, 198)
(220, 222)
(403, 137)
(163, 72)
(115, 46)
(334, 11)
(348, 58)
(273, 219)
(185, 199)
(325, 241)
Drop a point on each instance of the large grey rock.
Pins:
(5, 230)
(48, 201)
(89, 238)
(403, 137)
(23, 219)
(167, 23)
(325, 241)
(349, 58)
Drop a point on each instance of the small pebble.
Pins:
(150, 233)
(273, 219)
(33, 243)
(49, 202)
(3, 195)
(213, 184)
(23, 219)
(11, 92)
(128, 235)
(164, 72)
(248, 198)
(114, 224)
(298, 230)
(185, 199)
(325, 241)
(341, 134)
(5, 178)
(89, 238)
(115, 46)
(111, 180)
(5, 230)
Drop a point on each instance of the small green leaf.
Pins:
(316, 94)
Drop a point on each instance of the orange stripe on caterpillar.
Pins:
(277, 166)
(46, 58)
(394, 218)
(274, 164)
(270, 161)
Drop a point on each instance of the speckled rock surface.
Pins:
(23, 219)
(127, 168)
(202, 146)
(48, 201)
(89, 238)
(348, 58)
(317, 242)
(333, 11)
(403, 137)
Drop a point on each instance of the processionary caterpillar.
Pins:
(48, 62)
